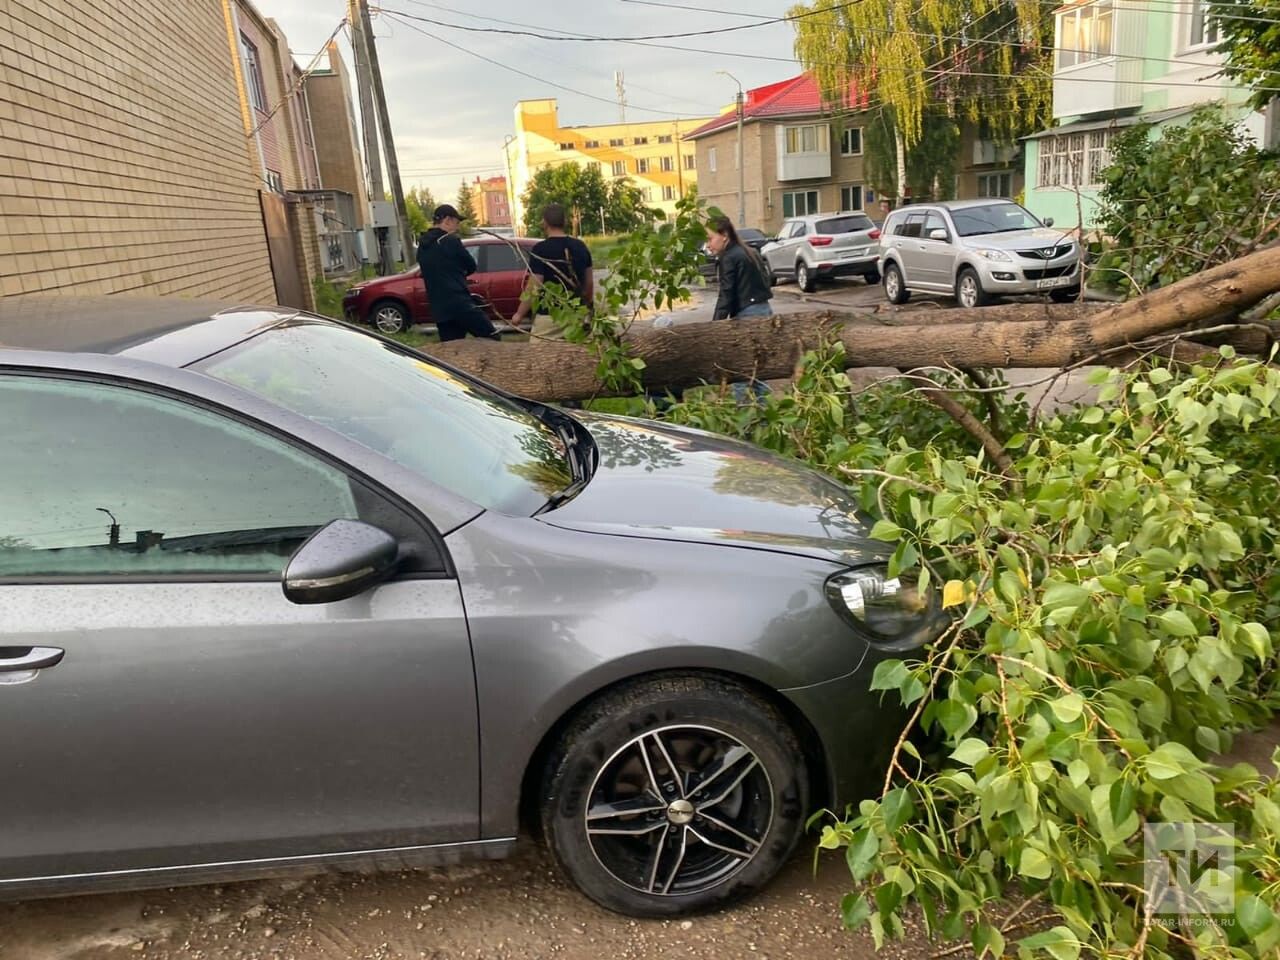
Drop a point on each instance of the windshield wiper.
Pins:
(562, 496)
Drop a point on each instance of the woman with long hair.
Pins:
(744, 283)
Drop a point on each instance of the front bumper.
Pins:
(1029, 276)
(351, 309)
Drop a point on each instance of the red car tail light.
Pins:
(874, 235)
(820, 241)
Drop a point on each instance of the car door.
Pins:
(506, 273)
(776, 253)
(162, 703)
(907, 243)
(478, 282)
(937, 256)
(416, 293)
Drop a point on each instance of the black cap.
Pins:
(446, 210)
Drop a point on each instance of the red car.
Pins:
(395, 303)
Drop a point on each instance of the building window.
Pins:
(275, 181)
(1084, 33)
(811, 138)
(1074, 159)
(1204, 29)
(591, 145)
(711, 159)
(619, 168)
(642, 165)
(668, 164)
(851, 197)
(668, 193)
(799, 203)
(253, 74)
(640, 141)
(616, 142)
(851, 142)
(646, 194)
(566, 146)
(665, 138)
(593, 165)
(995, 185)
(690, 162)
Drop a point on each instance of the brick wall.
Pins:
(123, 160)
(302, 223)
(333, 120)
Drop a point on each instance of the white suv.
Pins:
(976, 250)
(824, 245)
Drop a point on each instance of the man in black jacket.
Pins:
(445, 265)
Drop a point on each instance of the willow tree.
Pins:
(982, 61)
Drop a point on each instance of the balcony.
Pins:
(986, 152)
(1099, 60)
(804, 152)
(1099, 86)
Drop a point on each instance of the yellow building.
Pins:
(649, 153)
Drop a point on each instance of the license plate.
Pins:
(1051, 282)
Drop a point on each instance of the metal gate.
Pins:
(282, 245)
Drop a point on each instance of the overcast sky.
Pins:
(450, 111)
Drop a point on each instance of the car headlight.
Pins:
(997, 255)
(890, 611)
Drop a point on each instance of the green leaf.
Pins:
(1254, 915)
(1121, 800)
(970, 751)
(638, 363)
(1059, 942)
(1169, 760)
(987, 939)
(1092, 415)
(888, 896)
(1177, 623)
(889, 675)
(1058, 595)
(854, 910)
(861, 853)
(897, 808)
(911, 690)
(1035, 864)
(1068, 707)
(1078, 771)
(886, 530)
(955, 717)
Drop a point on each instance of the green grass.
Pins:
(603, 247)
(329, 293)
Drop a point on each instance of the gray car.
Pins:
(823, 246)
(976, 250)
(279, 594)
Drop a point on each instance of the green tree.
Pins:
(584, 194)
(1250, 35)
(420, 204)
(931, 162)
(979, 59)
(466, 204)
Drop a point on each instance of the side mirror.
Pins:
(340, 560)
(938, 234)
(1048, 221)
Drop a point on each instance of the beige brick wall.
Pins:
(337, 146)
(124, 165)
(302, 223)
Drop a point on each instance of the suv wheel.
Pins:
(969, 292)
(872, 278)
(674, 795)
(895, 291)
(806, 277)
(389, 316)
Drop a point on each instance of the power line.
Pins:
(529, 76)
(789, 18)
(301, 79)
(682, 6)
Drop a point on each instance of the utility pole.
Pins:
(511, 185)
(384, 121)
(742, 161)
(620, 85)
(369, 129)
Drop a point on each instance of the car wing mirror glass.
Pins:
(340, 560)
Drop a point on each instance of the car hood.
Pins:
(669, 483)
(1019, 239)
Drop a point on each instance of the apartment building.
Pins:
(649, 153)
(1120, 63)
(493, 207)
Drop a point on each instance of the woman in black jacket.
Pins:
(744, 284)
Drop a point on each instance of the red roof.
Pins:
(796, 97)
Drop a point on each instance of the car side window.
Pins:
(798, 229)
(933, 221)
(478, 254)
(106, 480)
(912, 226)
(502, 258)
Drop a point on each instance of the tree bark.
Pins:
(1020, 335)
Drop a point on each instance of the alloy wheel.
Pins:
(968, 291)
(389, 319)
(679, 810)
(891, 284)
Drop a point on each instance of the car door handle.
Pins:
(29, 658)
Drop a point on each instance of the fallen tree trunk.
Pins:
(1022, 335)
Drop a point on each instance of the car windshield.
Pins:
(843, 225)
(750, 234)
(993, 218)
(469, 440)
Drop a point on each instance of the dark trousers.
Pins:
(455, 322)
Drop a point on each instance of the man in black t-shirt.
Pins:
(559, 259)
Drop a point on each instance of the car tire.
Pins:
(773, 277)
(969, 292)
(389, 316)
(674, 849)
(806, 277)
(1066, 295)
(872, 278)
(895, 291)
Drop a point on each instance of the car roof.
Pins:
(167, 330)
(815, 217)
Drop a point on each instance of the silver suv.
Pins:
(824, 245)
(976, 250)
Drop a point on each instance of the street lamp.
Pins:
(742, 161)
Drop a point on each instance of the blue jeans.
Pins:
(758, 388)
